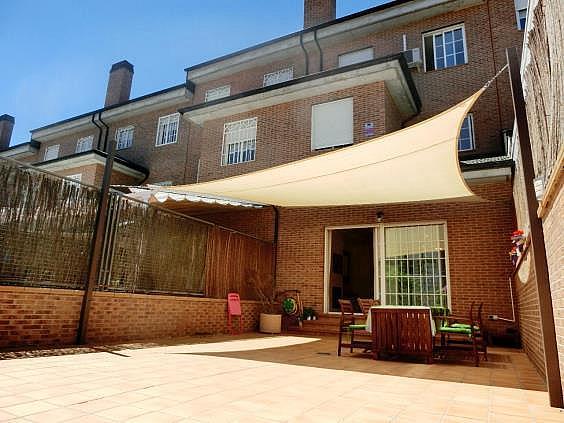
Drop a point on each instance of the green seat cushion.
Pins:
(451, 329)
(357, 327)
(463, 325)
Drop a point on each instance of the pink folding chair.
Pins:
(234, 309)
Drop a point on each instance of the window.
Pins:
(332, 124)
(167, 131)
(415, 268)
(466, 137)
(84, 144)
(522, 19)
(357, 56)
(124, 137)
(219, 92)
(445, 48)
(51, 152)
(239, 141)
(277, 77)
(76, 177)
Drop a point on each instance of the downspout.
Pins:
(106, 134)
(275, 240)
(319, 48)
(305, 53)
(99, 131)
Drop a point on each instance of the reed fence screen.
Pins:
(46, 228)
(46, 233)
(151, 250)
(544, 85)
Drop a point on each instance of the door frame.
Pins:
(327, 261)
(378, 246)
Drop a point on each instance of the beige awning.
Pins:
(418, 163)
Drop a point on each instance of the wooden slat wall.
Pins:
(235, 263)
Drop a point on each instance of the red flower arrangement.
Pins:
(518, 239)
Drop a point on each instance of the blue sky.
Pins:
(56, 54)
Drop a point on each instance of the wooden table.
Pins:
(401, 330)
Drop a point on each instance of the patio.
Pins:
(254, 378)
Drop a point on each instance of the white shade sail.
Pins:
(418, 163)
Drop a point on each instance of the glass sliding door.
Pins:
(414, 265)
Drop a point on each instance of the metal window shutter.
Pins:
(332, 124)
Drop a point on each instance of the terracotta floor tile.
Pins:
(270, 379)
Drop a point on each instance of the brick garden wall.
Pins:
(41, 316)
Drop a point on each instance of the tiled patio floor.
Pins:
(266, 379)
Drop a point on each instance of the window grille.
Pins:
(239, 141)
(124, 137)
(466, 137)
(51, 152)
(84, 144)
(217, 93)
(167, 131)
(278, 76)
(415, 269)
(445, 48)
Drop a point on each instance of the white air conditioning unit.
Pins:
(413, 57)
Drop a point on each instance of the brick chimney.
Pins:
(6, 127)
(119, 83)
(319, 11)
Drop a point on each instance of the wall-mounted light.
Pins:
(380, 216)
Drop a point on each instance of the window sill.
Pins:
(444, 69)
(164, 145)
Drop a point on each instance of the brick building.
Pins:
(376, 71)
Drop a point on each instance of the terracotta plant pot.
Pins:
(270, 323)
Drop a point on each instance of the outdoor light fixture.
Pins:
(538, 183)
(380, 216)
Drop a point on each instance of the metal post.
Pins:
(552, 368)
(98, 239)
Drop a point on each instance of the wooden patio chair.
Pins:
(458, 333)
(349, 325)
(365, 304)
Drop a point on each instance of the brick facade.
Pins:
(284, 131)
(478, 243)
(41, 316)
(490, 27)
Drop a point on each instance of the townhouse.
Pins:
(337, 82)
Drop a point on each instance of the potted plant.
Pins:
(270, 320)
(309, 314)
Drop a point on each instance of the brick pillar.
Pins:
(319, 11)
(119, 83)
(6, 127)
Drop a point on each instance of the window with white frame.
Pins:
(167, 129)
(84, 144)
(521, 13)
(51, 152)
(415, 265)
(239, 141)
(124, 137)
(217, 93)
(332, 124)
(357, 56)
(278, 76)
(522, 19)
(466, 137)
(445, 48)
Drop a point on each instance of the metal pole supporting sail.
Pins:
(552, 368)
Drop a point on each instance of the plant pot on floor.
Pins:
(270, 323)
